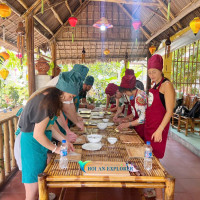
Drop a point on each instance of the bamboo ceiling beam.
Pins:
(131, 2)
(55, 13)
(164, 6)
(39, 21)
(67, 5)
(97, 40)
(181, 15)
(131, 18)
(76, 13)
(157, 13)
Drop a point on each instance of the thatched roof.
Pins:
(53, 25)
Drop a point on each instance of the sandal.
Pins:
(52, 196)
(150, 193)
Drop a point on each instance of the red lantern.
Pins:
(73, 21)
(19, 55)
(137, 24)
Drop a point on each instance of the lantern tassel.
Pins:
(72, 37)
(168, 12)
(42, 8)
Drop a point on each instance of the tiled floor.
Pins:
(178, 161)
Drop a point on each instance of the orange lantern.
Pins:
(4, 73)
(5, 11)
(152, 49)
(195, 25)
(106, 52)
(4, 55)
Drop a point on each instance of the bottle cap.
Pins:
(64, 141)
(148, 143)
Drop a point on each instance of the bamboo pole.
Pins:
(169, 190)
(2, 170)
(15, 123)
(184, 69)
(148, 84)
(53, 56)
(12, 141)
(6, 148)
(43, 192)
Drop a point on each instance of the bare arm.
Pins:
(70, 111)
(116, 107)
(107, 101)
(61, 120)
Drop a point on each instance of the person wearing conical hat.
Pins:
(36, 123)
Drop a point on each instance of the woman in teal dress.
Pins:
(35, 125)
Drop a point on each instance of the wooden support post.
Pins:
(53, 57)
(43, 192)
(6, 148)
(12, 141)
(29, 25)
(169, 190)
(148, 84)
(2, 170)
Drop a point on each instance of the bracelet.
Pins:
(53, 151)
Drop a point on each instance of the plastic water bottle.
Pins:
(63, 155)
(148, 156)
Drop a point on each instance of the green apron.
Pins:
(33, 155)
(60, 127)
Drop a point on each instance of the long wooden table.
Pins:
(54, 177)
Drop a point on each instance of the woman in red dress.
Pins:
(161, 102)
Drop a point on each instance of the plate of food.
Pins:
(92, 146)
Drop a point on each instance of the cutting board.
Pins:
(80, 140)
(133, 139)
(135, 151)
(101, 168)
(72, 157)
(85, 116)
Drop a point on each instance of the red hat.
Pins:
(156, 61)
(128, 81)
(129, 72)
(111, 89)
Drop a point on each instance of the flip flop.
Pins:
(52, 196)
(150, 193)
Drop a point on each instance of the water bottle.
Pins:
(148, 156)
(63, 155)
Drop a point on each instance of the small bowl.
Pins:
(102, 126)
(101, 114)
(112, 140)
(105, 120)
(94, 138)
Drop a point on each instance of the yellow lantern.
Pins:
(106, 52)
(4, 73)
(195, 25)
(4, 55)
(27, 77)
(152, 49)
(5, 11)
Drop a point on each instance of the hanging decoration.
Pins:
(195, 25)
(106, 52)
(19, 55)
(4, 73)
(102, 24)
(126, 61)
(42, 7)
(152, 49)
(167, 47)
(5, 11)
(73, 21)
(42, 66)
(20, 40)
(136, 25)
(3, 57)
(168, 10)
(83, 55)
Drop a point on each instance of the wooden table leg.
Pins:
(42, 185)
(169, 190)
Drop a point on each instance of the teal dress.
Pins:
(33, 155)
(60, 127)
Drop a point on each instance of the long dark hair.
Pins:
(52, 101)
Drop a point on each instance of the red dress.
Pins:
(154, 116)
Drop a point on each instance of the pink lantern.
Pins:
(19, 55)
(137, 24)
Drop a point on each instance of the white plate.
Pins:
(110, 124)
(92, 146)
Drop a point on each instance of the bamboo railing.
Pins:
(8, 126)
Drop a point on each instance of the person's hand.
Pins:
(71, 136)
(115, 118)
(123, 126)
(124, 120)
(58, 150)
(90, 107)
(105, 109)
(80, 118)
(80, 125)
(157, 136)
(70, 147)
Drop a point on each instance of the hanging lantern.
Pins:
(152, 49)
(167, 47)
(106, 52)
(83, 55)
(3, 57)
(4, 73)
(73, 21)
(102, 24)
(136, 25)
(20, 40)
(19, 55)
(195, 25)
(5, 11)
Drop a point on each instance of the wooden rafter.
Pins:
(76, 13)
(131, 18)
(55, 13)
(8, 43)
(80, 1)
(163, 5)
(182, 14)
(141, 3)
(67, 5)
(37, 18)
(156, 13)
